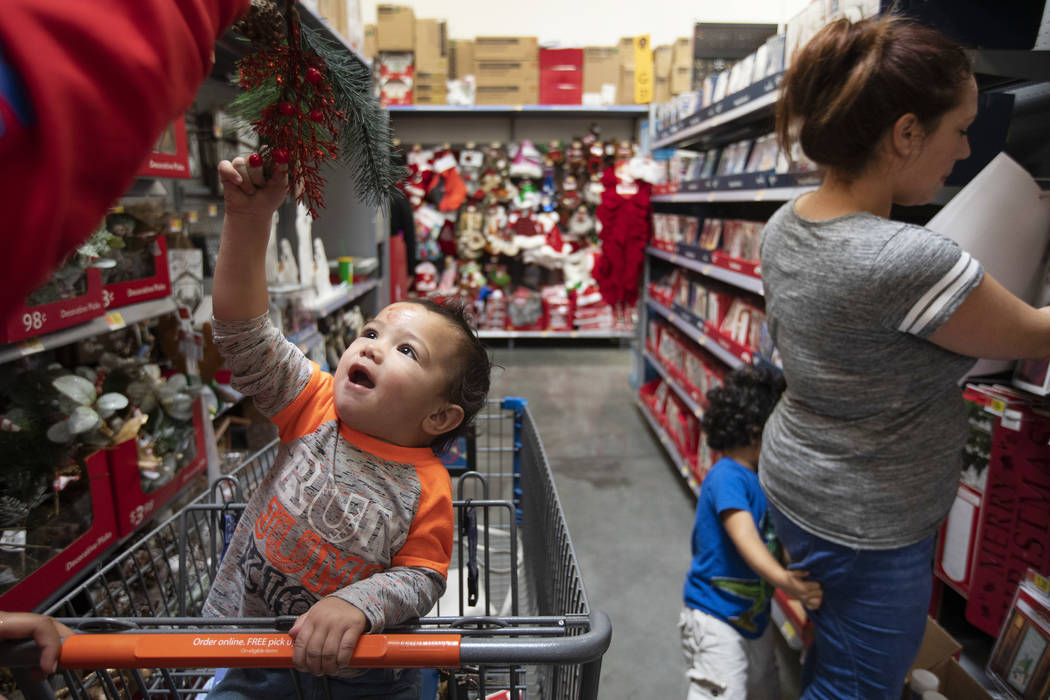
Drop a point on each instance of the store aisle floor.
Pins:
(628, 516)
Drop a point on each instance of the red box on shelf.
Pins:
(751, 268)
(1015, 517)
(741, 352)
(133, 291)
(133, 506)
(561, 76)
(31, 321)
(171, 153)
(37, 586)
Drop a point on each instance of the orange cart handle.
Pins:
(267, 650)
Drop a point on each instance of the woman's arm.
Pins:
(994, 324)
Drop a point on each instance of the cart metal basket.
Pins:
(514, 621)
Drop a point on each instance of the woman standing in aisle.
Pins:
(876, 321)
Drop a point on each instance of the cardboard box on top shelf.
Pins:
(662, 62)
(682, 52)
(460, 58)
(625, 47)
(506, 72)
(601, 74)
(507, 94)
(506, 48)
(371, 48)
(661, 89)
(681, 80)
(431, 46)
(395, 28)
(728, 40)
(625, 88)
(429, 94)
(561, 76)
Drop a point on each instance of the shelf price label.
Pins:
(114, 321)
(33, 321)
(30, 347)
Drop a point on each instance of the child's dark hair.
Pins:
(738, 409)
(854, 80)
(469, 385)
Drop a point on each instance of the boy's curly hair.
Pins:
(469, 386)
(738, 409)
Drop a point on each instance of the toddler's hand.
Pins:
(45, 631)
(247, 191)
(808, 592)
(325, 636)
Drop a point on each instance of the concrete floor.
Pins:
(628, 511)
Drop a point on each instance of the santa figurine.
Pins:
(575, 156)
(570, 194)
(426, 277)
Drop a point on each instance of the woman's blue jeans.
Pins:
(870, 624)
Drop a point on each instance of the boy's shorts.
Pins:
(723, 664)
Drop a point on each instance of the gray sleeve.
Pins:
(394, 596)
(265, 365)
(921, 278)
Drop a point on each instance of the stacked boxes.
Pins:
(601, 75)
(662, 62)
(561, 76)
(395, 28)
(625, 83)
(460, 58)
(431, 63)
(506, 70)
(681, 66)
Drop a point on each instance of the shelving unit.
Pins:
(681, 464)
(532, 110)
(715, 346)
(687, 399)
(737, 279)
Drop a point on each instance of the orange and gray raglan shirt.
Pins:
(340, 513)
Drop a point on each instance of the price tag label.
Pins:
(115, 321)
(213, 210)
(1041, 582)
(192, 217)
(1011, 420)
(119, 209)
(30, 347)
(760, 195)
(995, 407)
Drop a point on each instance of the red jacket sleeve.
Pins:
(103, 78)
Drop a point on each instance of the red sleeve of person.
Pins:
(99, 80)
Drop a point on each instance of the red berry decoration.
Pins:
(286, 108)
(316, 116)
(313, 75)
(255, 161)
(280, 155)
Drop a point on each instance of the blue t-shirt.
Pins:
(719, 581)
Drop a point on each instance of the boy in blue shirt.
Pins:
(726, 636)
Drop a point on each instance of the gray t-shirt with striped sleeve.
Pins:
(865, 447)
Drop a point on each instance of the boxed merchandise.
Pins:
(661, 90)
(508, 72)
(431, 49)
(460, 58)
(625, 86)
(56, 306)
(371, 47)
(395, 28)
(171, 153)
(505, 48)
(121, 283)
(507, 94)
(37, 560)
(662, 61)
(1020, 660)
(938, 654)
(728, 40)
(424, 94)
(681, 79)
(139, 487)
(601, 74)
(558, 307)
(682, 53)
(396, 78)
(561, 76)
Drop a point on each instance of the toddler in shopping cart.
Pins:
(351, 529)
(726, 636)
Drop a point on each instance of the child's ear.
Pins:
(446, 418)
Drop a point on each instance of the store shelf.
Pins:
(306, 338)
(745, 282)
(672, 382)
(114, 320)
(750, 101)
(312, 19)
(672, 450)
(770, 194)
(530, 110)
(702, 339)
(348, 294)
(565, 335)
(790, 618)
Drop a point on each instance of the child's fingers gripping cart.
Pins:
(514, 621)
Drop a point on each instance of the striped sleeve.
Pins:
(921, 278)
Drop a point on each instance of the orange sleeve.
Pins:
(429, 543)
(313, 406)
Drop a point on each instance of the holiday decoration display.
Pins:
(513, 228)
(311, 101)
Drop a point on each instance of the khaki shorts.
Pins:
(724, 665)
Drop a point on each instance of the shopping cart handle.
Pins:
(266, 650)
(21, 653)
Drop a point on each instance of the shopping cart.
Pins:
(514, 621)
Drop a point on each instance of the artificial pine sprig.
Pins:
(310, 100)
